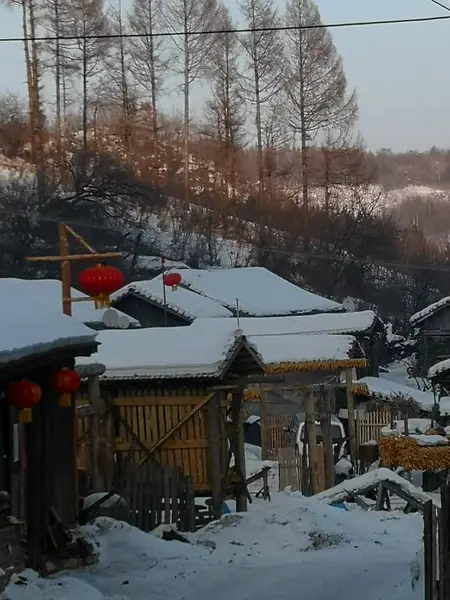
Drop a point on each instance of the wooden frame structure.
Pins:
(192, 424)
(65, 258)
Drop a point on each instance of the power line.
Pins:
(225, 31)
(447, 8)
(268, 249)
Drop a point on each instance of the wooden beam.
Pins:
(351, 414)
(264, 425)
(74, 257)
(181, 422)
(80, 240)
(65, 270)
(239, 451)
(214, 462)
(310, 419)
(328, 451)
(94, 432)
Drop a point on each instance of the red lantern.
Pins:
(172, 280)
(99, 282)
(64, 382)
(24, 395)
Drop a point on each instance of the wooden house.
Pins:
(433, 325)
(212, 293)
(175, 395)
(48, 292)
(367, 329)
(303, 359)
(37, 459)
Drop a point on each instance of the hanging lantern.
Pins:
(64, 382)
(100, 282)
(24, 395)
(172, 280)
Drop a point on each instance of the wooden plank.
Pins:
(157, 400)
(181, 422)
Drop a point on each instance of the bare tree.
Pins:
(225, 111)
(86, 19)
(316, 87)
(191, 21)
(149, 59)
(262, 79)
(116, 90)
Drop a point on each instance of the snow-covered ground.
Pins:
(286, 548)
(289, 547)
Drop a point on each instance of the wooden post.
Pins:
(264, 423)
(444, 545)
(310, 420)
(351, 414)
(215, 470)
(430, 545)
(325, 422)
(239, 450)
(65, 269)
(97, 481)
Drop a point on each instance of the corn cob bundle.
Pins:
(396, 451)
(252, 395)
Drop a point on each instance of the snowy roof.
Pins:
(202, 350)
(355, 322)
(430, 310)
(390, 389)
(301, 351)
(48, 291)
(153, 263)
(439, 368)
(29, 327)
(259, 291)
(180, 301)
(165, 353)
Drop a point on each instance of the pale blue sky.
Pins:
(400, 71)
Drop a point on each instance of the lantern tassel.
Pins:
(102, 301)
(65, 400)
(25, 415)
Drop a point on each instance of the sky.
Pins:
(400, 72)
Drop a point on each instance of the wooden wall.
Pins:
(149, 415)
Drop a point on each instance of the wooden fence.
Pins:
(290, 465)
(437, 547)
(290, 469)
(369, 427)
(159, 495)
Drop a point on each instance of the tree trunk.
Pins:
(125, 94)
(58, 88)
(85, 93)
(29, 73)
(186, 108)
(156, 166)
(37, 115)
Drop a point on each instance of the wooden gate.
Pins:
(169, 425)
(370, 426)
